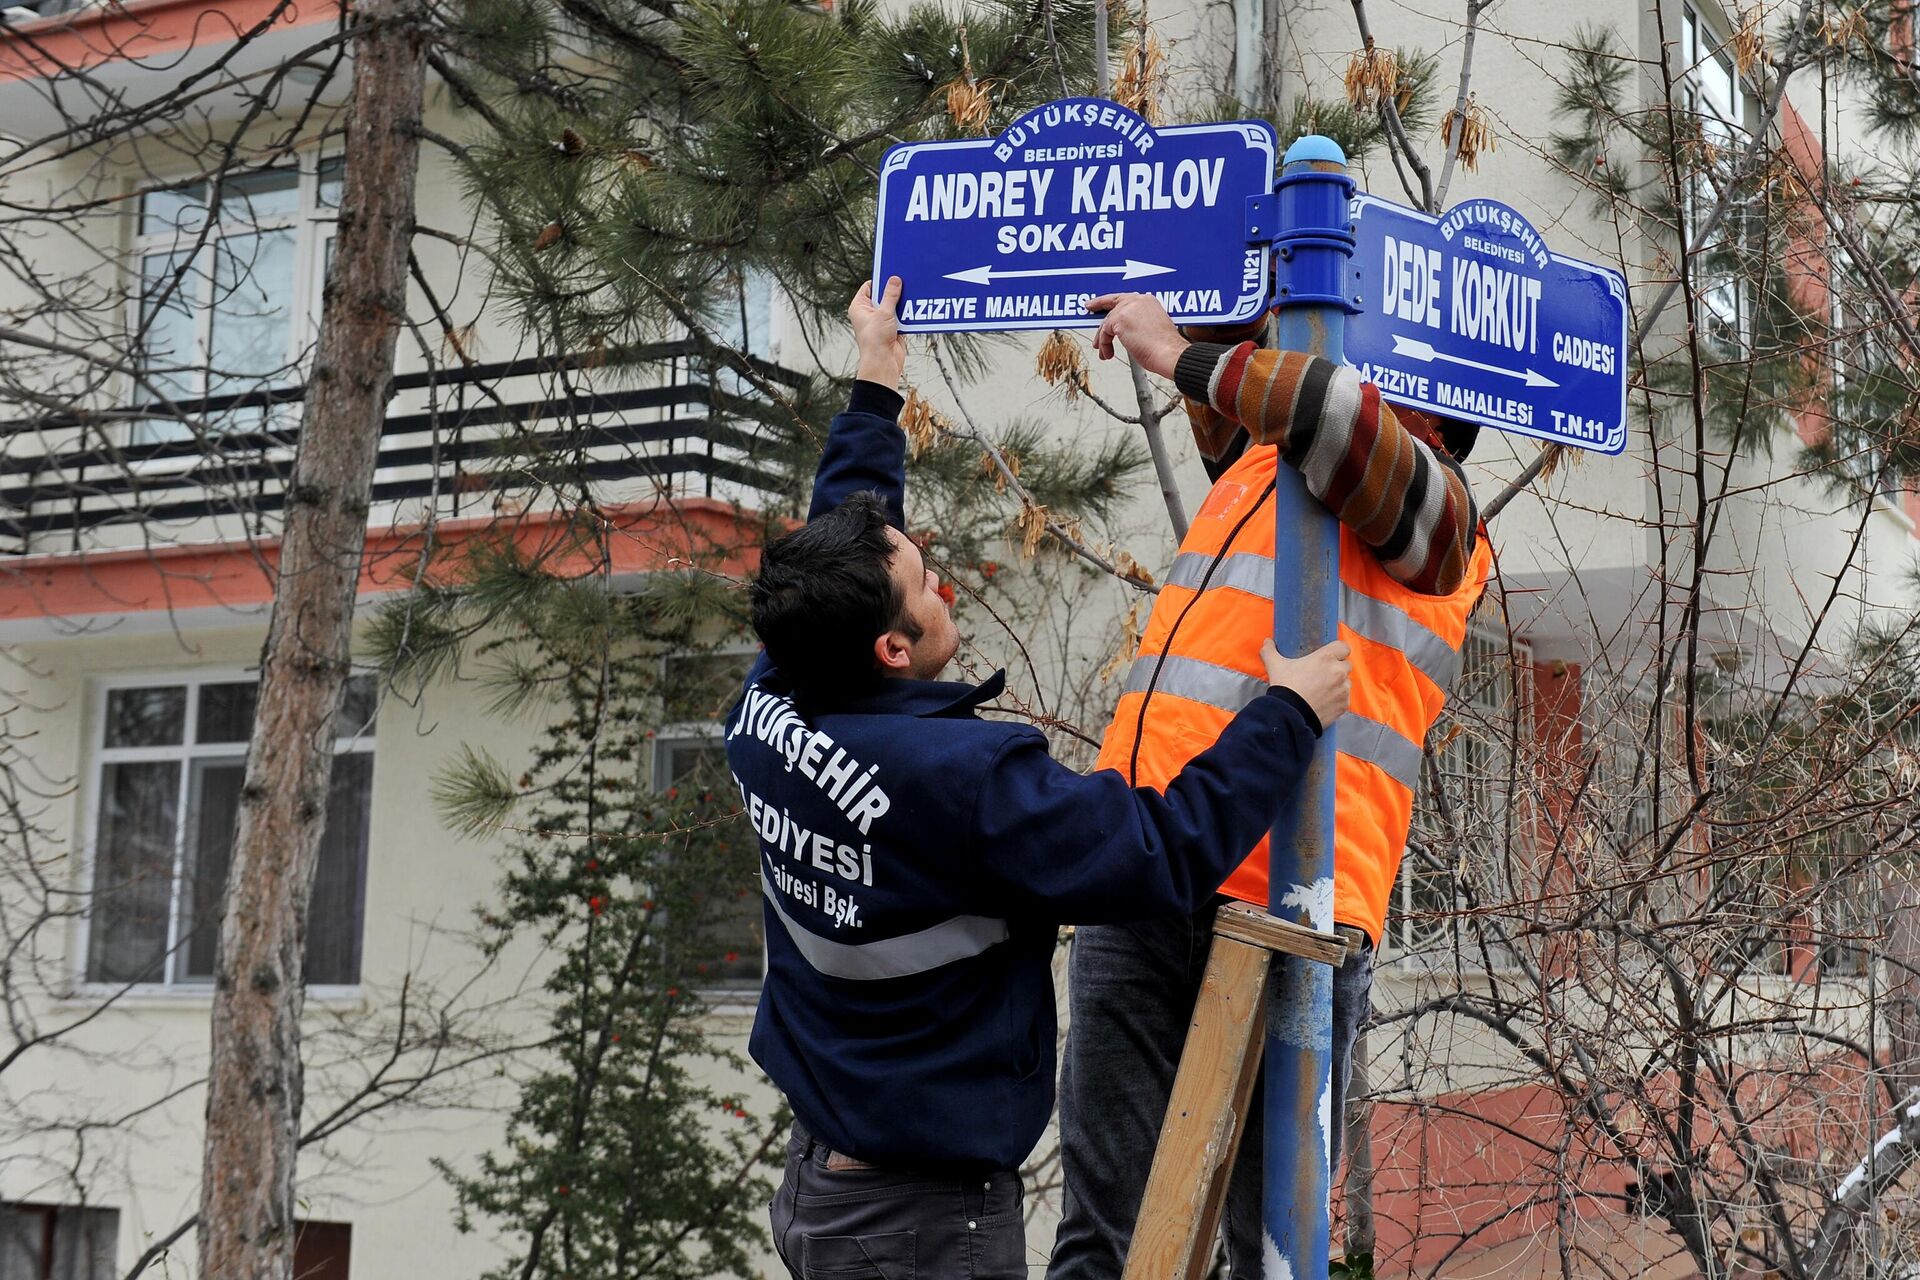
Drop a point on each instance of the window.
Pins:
(168, 775)
(226, 297)
(1720, 104)
(1863, 397)
(1459, 831)
(57, 1242)
(1850, 920)
(690, 758)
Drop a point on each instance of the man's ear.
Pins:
(892, 653)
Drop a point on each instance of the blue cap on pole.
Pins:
(1314, 146)
(1316, 238)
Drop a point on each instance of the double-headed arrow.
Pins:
(1423, 351)
(1126, 271)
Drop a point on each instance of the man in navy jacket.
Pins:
(917, 861)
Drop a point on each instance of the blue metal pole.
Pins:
(1314, 297)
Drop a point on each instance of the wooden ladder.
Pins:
(1187, 1187)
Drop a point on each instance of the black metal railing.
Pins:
(475, 441)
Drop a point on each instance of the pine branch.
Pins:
(1054, 529)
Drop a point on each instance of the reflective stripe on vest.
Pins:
(1228, 690)
(910, 953)
(1377, 620)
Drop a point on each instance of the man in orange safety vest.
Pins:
(1413, 564)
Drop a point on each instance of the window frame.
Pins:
(1400, 949)
(722, 997)
(185, 752)
(1701, 42)
(314, 224)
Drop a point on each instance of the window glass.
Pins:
(170, 350)
(226, 712)
(252, 309)
(133, 870)
(357, 706)
(261, 195)
(212, 809)
(332, 179)
(58, 1242)
(701, 686)
(339, 883)
(146, 717)
(731, 933)
(175, 209)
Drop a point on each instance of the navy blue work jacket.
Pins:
(917, 861)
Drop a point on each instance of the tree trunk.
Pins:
(254, 1080)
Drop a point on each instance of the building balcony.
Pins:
(460, 443)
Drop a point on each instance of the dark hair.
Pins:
(1451, 434)
(1459, 436)
(824, 594)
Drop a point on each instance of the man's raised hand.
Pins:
(1142, 326)
(876, 332)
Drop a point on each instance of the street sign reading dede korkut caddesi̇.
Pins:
(1074, 199)
(1471, 315)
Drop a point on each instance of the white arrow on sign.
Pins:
(1423, 351)
(989, 273)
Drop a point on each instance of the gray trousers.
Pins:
(1131, 990)
(836, 1223)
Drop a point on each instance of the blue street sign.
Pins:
(1471, 315)
(1074, 199)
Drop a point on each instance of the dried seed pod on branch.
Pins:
(1373, 78)
(1060, 360)
(1467, 133)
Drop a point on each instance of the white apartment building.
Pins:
(133, 601)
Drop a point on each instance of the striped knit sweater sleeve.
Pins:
(1408, 501)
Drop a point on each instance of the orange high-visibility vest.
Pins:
(1406, 649)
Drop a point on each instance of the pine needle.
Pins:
(1059, 359)
(1373, 77)
(1475, 133)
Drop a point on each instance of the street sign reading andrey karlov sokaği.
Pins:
(1472, 315)
(1074, 199)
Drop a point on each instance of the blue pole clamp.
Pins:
(1315, 245)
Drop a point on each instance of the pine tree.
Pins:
(618, 1159)
(641, 157)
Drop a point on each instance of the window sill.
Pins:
(733, 1003)
(191, 997)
